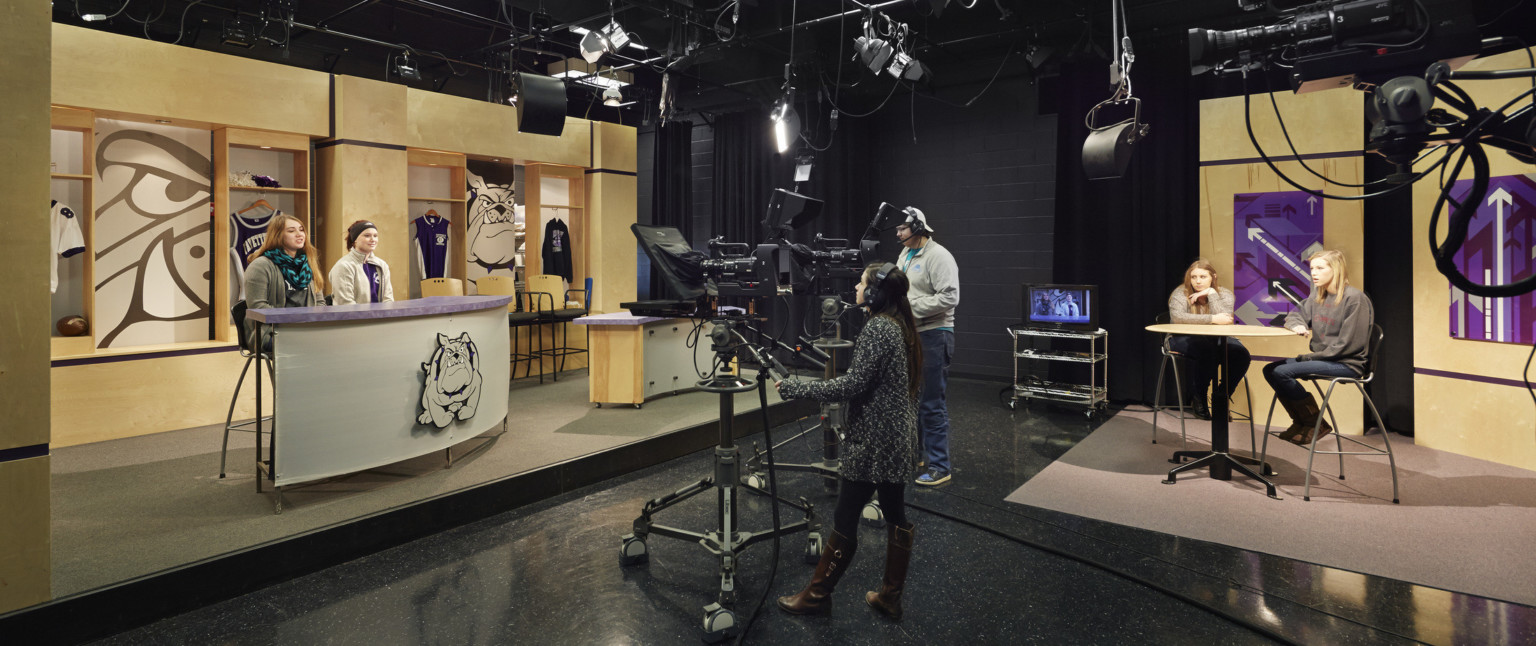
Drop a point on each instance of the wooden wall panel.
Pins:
(133, 76)
(369, 110)
(24, 256)
(106, 401)
(1492, 421)
(365, 182)
(1319, 122)
(442, 122)
(612, 245)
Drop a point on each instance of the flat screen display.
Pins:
(1065, 306)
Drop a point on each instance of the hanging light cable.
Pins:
(783, 118)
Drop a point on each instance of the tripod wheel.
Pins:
(633, 551)
(871, 515)
(719, 623)
(758, 481)
(813, 548)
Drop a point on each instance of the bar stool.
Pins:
(1171, 359)
(516, 318)
(1359, 383)
(557, 313)
(237, 314)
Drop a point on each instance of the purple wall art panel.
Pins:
(1272, 235)
(1498, 250)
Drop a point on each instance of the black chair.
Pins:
(247, 350)
(553, 311)
(1172, 359)
(1377, 335)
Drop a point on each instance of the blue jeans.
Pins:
(932, 411)
(1282, 375)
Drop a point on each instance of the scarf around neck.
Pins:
(295, 268)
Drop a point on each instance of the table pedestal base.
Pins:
(1221, 464)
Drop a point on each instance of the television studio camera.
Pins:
(730, 290)
(1406, 55)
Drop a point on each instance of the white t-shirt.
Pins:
(66, 239)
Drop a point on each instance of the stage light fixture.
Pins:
(786, 122)
(803, 163)
(607, 40)
(405, 69)
(239, 33)
(906, 68)
(874, 52)
(612, 97)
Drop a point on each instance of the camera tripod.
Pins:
(727, 539)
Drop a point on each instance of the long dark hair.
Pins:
(894, 305)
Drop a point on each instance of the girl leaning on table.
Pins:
(282, 272)
(879, 452)
(1338, 318)
(1201, 300)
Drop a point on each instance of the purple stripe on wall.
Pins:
(1466, 377)
(23, 452)
(85, 361)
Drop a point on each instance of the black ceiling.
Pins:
(465, 47)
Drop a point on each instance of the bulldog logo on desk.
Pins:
(452, 384)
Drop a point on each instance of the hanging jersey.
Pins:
(247, 233)
(66, 238)
(431, 246)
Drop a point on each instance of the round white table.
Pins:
(1219, 458)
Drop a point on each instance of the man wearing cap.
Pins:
(934, 293)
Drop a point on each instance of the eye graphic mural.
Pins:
(152, 234)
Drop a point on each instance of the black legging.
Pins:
(852, 496)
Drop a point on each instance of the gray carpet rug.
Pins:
(1464, 524)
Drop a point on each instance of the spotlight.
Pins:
(873, 51)
(803, 163)
(906, 68)
(612, 97)
(786, 122)
(94, 17)
(607, 40)
(405, 69)
(239, 33)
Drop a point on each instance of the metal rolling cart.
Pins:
(1093, 396)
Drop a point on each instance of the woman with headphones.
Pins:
(881, 388)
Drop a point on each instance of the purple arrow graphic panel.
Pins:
(1498, 250)
(1273, 234)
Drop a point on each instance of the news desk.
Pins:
(361, 386)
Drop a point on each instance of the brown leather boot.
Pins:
(1297, 411)
(898, 555)
(1312, 415)
(816, 598)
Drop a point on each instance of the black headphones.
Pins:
(874, 298)
(915, 224)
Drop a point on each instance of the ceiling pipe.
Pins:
(327, 20)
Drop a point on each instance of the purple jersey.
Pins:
(432, 245)
(247, 233)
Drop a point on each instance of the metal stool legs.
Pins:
(1339, 438)
(1157, 399)
(230, 417)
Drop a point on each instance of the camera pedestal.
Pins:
(727, 539)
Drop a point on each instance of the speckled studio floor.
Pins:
(549, 572)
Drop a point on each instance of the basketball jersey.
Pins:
(431, 246)
(247, 235)
(66, 239)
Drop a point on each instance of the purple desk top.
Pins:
(619, 318)
(430, 306)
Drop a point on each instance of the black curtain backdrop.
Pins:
(672, 187)
(1131, 236)
(747, 169)
(1389, 240)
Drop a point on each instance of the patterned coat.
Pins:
(880, 442)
